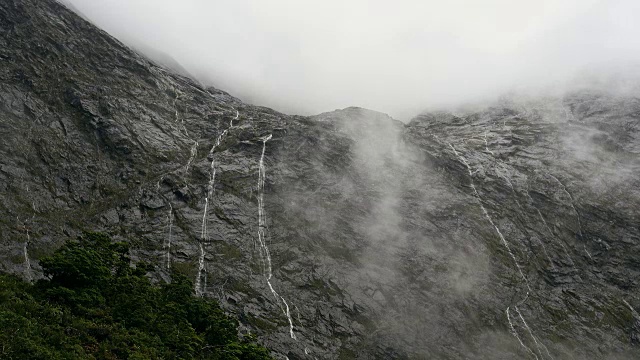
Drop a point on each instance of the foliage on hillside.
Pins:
(93, 304)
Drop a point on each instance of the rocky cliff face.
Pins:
(509, 231)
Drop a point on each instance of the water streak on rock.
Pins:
(204, 233)
(264, 249)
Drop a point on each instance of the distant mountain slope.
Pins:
(505, 232)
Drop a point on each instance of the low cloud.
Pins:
(395, 57)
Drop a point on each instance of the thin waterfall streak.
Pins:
(560, 242)
(298, 313)
(477, 195)
(546, 253)
(204, 231)
(572, 203)
(177, 115)
(633, 311)
(203, 238)
(203, 228)
(236, 118)
(264, 249)
(539, 345)
(515, 333)
(197, 287)
(27, 261)
(515, 194)
(168, 245)
(175, 105)
(486, 144)
(192, 156)
(486, 214)
(506, 178)
(288, 313)
(526, 297)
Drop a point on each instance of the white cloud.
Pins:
(396, 57)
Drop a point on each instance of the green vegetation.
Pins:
(94, 304)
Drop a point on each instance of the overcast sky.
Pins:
(397, 57)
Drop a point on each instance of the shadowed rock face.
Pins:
(504, 232)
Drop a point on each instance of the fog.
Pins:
(396, 57)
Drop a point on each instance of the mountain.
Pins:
(503, 231)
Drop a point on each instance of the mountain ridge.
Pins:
(509, 231)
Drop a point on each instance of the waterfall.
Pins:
(194, 152)
(486, 214)
(486, 144)
(633, 311)
(28, 273)
(572, 203)
(506, 245)
(538, 344)
(177, 116)
(168, 247)
(27, 262)
(209, 194)
(564, 188)
(264, 250)
(197, 287)
(515, 333)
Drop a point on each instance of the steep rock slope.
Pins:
(556, 179)
(505, 232)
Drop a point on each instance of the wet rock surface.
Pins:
(509, 231)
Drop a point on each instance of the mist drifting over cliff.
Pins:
(396, 57)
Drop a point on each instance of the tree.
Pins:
(95, 303)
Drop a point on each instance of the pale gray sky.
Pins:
(397, 57)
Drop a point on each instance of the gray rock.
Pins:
(385, 242)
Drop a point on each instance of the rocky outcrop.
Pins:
(509, 231)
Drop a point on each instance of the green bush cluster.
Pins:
(93, 304)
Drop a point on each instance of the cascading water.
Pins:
(166, 246)
(515, 333)
(27, 262)
(192, 156)
(199, 289)
(197, 286)
(572, 203)
(28, 272)
(168, 243)
(264, 250)
(177, 117)
(539, 345)
(486, 144)
(633, 311)
(504, 242)
(486, 214)
(564, 188)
